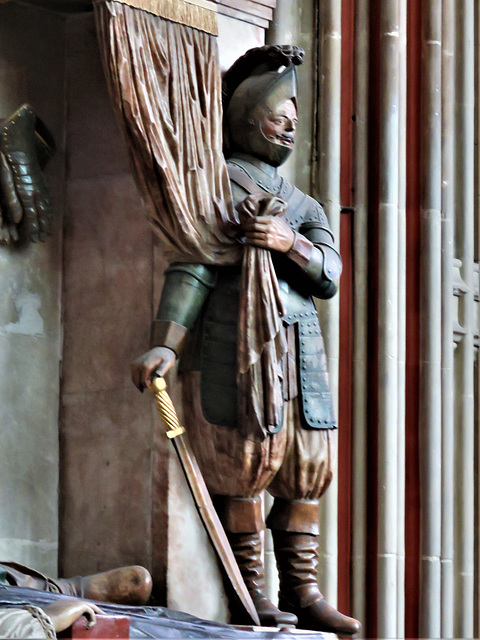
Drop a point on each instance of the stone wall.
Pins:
(31, 70)
(106, 428)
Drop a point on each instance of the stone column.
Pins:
(402, 311)
(360, 316)
(388, 283)
(430, 327)
(327, 191)
(448, 212)
(464, 391)
(295, 27)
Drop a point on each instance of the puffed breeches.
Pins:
(293, 464)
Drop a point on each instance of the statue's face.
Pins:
(262, 126)
(279, 126)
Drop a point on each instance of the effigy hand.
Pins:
(63, 613)
(24, 196)
(157, 361)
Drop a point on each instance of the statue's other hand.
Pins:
(157, 361)
(63, 613)
(248, 208)
(269, 232)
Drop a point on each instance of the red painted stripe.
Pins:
(345, 418)
(412, 495)
(346, 320)
(346, 149)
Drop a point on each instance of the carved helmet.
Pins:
(257, 83)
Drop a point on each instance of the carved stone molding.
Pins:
(459, 290)
(257, 12)
(60, 6)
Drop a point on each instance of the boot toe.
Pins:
(321, 616)
(270, 615)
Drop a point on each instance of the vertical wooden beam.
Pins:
(346, 313)
(345, 415)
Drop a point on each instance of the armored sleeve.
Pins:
(314, 252)
(185, 290)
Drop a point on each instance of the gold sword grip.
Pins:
(165, 408)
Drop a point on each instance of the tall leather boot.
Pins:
(242, 520)
(295, 529)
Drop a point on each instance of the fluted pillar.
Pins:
(388, 319)
(327, 187)
(360, 310)
(464, 391)
(447, 381)
(402, 284)
(430, 327)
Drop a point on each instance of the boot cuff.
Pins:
(295, 516)
(240, 515)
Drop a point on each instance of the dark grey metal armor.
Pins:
(205, 299)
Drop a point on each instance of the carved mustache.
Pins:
(286, 137)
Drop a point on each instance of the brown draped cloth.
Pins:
(161, 62)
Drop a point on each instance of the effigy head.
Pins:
(260, 103)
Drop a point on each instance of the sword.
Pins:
(201, 496)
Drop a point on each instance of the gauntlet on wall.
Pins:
(26, 209)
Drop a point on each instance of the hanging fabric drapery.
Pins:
(161, 62)
(164, 80)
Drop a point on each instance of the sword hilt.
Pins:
(165, 408)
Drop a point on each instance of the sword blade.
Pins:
(201, 498)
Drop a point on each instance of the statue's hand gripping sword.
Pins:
(201, 496)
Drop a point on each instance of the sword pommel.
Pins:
(165, 408)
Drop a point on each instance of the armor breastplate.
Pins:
(217, 346)
(218, 354)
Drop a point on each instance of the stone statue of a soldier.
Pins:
(197, 321)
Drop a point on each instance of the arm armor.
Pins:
(313, 251)
(325, 264)
(184, 293)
